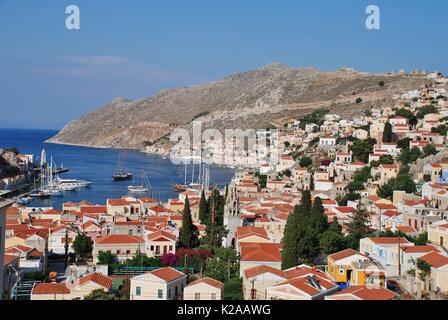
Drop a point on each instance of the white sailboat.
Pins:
(144, 187)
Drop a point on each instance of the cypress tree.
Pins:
(188, 237)
(289, 251)
(306, 202)
(318, 219)
(358, 228)
(203, 209)
(332, 240)
(388, 135)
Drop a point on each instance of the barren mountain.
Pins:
(253, 99)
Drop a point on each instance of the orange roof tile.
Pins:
(51, 288)
(261, 252)
(366, 293)
(435, 259)
(119, 239)
(209, 281)
(168, 274)
(98, 278)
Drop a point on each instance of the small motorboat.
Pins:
(24, 200)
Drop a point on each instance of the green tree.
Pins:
(99, 294)
(203, 209)
(355, 186)
(426, 110)
(107, 257)
(405, 113)
(318, 219)
(404, 143)
(409, 156)
(332, 240)
(362, 175)
(289, 251)
(305, 162)
(188, 236)
(402, 182)
(223, 266)
(429, 150)
(388, 135)
(424, 268)
(83, 246)
(358, 228)
(233, 289)
(362, 148)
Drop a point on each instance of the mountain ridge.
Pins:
(251, 99)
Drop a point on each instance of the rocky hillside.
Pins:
(253, 99)
(8, 163)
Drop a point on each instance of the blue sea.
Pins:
(97, 166)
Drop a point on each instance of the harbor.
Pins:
(98, 165)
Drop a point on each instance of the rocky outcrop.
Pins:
(8, 163)
(255, 99)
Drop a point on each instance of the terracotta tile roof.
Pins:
(248, 231)
(391, 213)
(98, 278)
(415, 249)
(90, 223)
(345, 209)
(8, 258)
(148, 200)
(117, 202)
(161, 236)
(119, 239)
(94, 209)
(366, 293)
(302, 270)
(389, 166)
(168, 274)
(435, 259)
(261, 252)
(255, 271)
(383, 206)
(51, 288)
(51, 211)
(212, 282)
(344, 254)
(406, 229)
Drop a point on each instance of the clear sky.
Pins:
(50, 75)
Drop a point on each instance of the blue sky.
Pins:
(49, 75)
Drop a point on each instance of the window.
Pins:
(213, 296)
(138, 291)
(341, 271)
(197, 296)
(152, 248)
(169, 293)
(128, 251)
(159, 293)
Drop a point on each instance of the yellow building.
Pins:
(353, 268)
(438, 233)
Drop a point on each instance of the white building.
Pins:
(161, 284)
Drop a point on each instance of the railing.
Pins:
(23, 289)
(134, 271)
